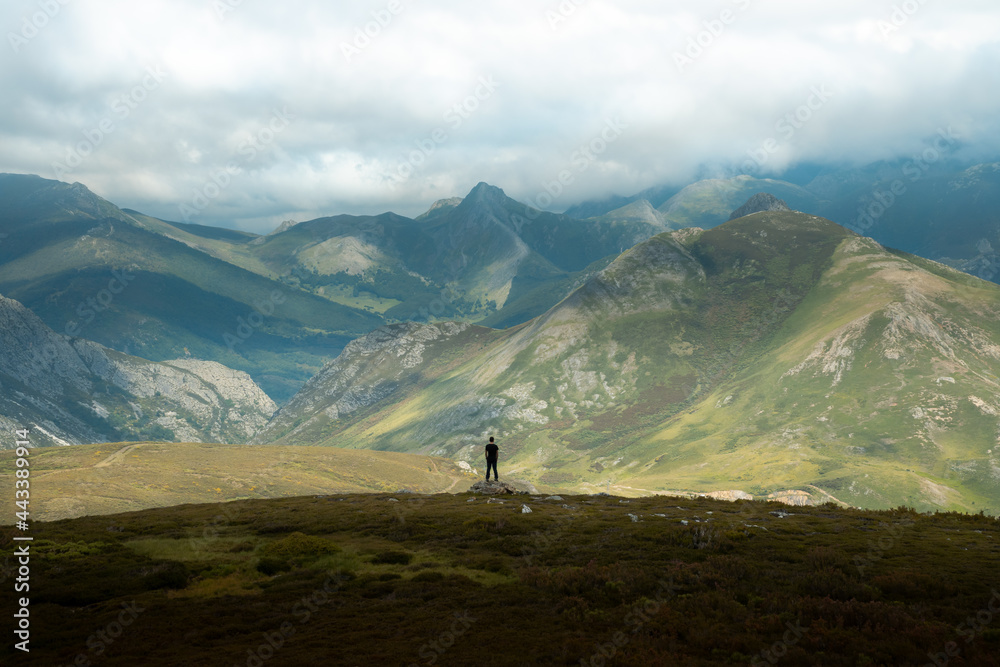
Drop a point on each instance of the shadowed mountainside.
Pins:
(73, 391)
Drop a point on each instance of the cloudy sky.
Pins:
(244, 113)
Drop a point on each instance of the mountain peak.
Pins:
(484, 192)
(283, 227)
(762, 201)
(27, 195)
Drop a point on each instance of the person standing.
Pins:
(492, 454)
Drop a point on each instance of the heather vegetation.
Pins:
(456, 580)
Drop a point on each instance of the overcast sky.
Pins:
(244, 113)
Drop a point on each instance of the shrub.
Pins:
(392, 558)
(294, 549)
(272, 566)
(167, 575)
(298, 546)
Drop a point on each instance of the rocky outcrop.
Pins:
(72, 391)
(730, 495)
(795, 498)
(493, 488)
(761, 201)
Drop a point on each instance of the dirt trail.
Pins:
(104, 463)
(115, 457)
(437, 471)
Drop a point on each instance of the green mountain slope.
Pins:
(777, 351)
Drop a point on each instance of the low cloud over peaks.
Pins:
(246, 114)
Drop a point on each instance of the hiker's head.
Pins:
(491, 438)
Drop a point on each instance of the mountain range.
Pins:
(651, 346)
(279, 306)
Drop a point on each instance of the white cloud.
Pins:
(896, 78)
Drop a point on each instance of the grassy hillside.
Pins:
(68, 482)
(350, 579)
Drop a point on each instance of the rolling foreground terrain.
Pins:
(777, 351)
(458, 580)
(69, 482)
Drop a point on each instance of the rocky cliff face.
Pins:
(72, 391)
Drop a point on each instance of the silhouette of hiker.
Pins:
(492, 453)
